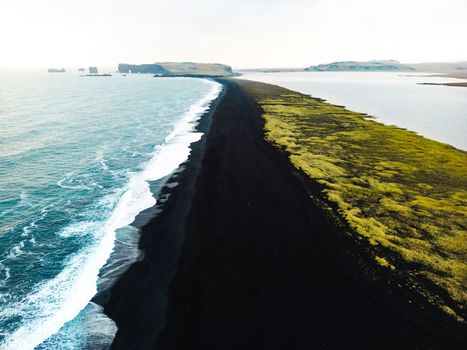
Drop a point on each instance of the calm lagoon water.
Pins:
(77, 156)
(436, 112)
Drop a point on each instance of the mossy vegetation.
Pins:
(383, 262)
(406, 195)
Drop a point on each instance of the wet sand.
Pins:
(240, 257)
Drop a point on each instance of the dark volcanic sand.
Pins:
(242, 258)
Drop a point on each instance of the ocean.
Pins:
(79, 159)
(394, 98)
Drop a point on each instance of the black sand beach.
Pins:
(240, 257)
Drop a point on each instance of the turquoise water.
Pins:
(436, 112)
(76, 158)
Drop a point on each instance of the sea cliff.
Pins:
(174, 69)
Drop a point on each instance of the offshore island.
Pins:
(299, 224)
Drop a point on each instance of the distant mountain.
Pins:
(55, 70)
(174, 69)
(440, 67)
(374, 65)
(391, 65)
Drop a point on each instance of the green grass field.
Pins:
(404, 194)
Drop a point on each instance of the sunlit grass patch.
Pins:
(383, 262)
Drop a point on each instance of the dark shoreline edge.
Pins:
(158, 251)
(138, 300)
(463, 84)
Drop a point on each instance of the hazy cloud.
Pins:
(244, 33)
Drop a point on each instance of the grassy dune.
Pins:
(405, 195)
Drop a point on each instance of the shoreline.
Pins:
(167, 216)
(456, 75)
(250, 213)
(463, 84)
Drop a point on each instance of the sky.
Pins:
(241, 33)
